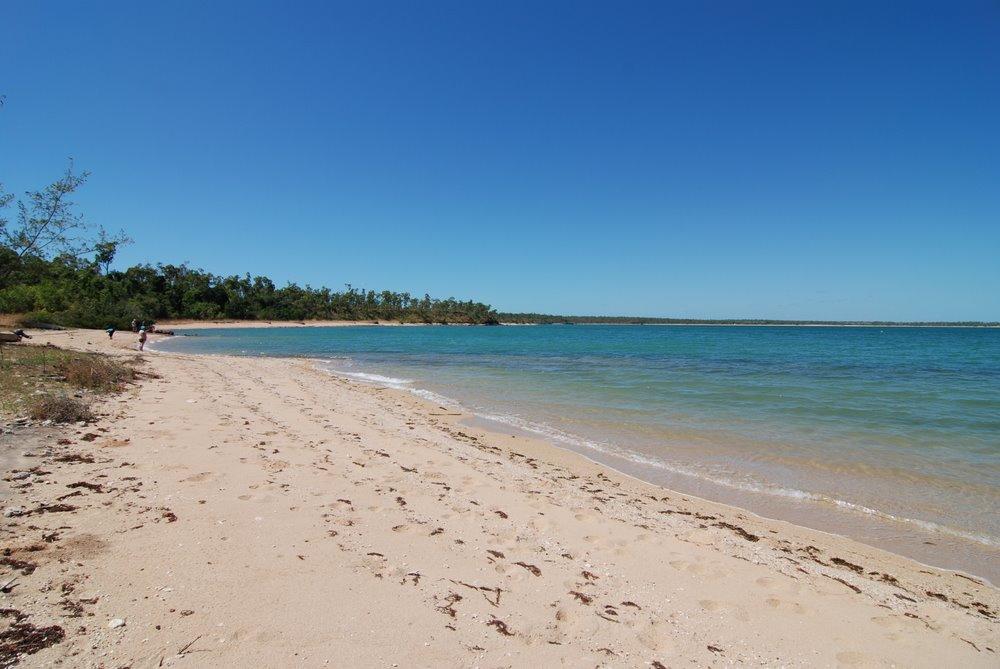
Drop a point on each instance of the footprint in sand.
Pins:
(654, 636)
(729, 610)
(697, 569)
(856, 659)
(784, 605)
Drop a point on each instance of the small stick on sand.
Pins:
(184, 649)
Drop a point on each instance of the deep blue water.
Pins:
(899, 425)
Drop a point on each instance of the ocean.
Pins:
(888, 435)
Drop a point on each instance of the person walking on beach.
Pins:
(142, 338)
(111, 331)
(135, 325)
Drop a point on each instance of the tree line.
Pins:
(553, 319)
(55, 268)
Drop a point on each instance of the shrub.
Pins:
(59, 409)
(96, 373)
(18, 299)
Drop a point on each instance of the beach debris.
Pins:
(844, 563)
(500, 626)
(714, 649)
(13, 511)
(501, 514)
(589, 575)
(449, 608)
(95, 487)
(496, 593)
(849, 585)
(482, 589)
(75, 458)
(72, 609)
(739, 531)
(530, 567)
(496, 554)
(8, 586)
(188, 645)
(586, 599)
(25, 639)
(24, 566)
(53, 508)
(116, 623)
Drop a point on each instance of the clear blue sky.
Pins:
(704, 159)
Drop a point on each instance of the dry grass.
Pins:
(59, 409)
(96, 373)
(28, 372)
(10, 321)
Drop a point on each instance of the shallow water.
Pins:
(891, 436)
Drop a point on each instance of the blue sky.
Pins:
(726, 159)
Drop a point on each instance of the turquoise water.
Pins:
(888, 435)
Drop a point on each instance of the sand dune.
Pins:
(258, 512)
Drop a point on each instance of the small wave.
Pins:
(553, 434)
(926, 525)
(376, 378)
(387, 381)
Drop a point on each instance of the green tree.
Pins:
(47, 225)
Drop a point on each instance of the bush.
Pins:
(37, 318)
(96, 373)
(18, 299)
(59, 409)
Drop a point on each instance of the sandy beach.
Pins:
(182, 324)
(260, 512)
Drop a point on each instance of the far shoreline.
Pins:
(187, 324)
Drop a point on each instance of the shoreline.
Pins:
(944, 547)
(357, 477)
(832, 517)
(187, 324)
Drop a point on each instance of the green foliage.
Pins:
(47, 225)
(45, 275)
(74, 292)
